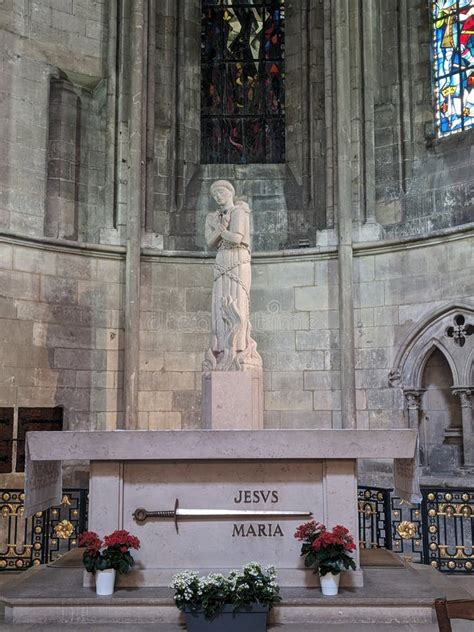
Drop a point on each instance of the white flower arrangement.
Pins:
(252, 584)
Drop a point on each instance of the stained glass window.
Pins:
(453, 53)
(242, 81)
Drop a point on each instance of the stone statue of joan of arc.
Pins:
(228, 231)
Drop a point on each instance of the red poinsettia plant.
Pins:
(111, 552)
(326, 551)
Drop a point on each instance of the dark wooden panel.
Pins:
(6, 439)
(35, 419)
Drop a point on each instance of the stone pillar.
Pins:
(413, 404)
(464, 395)
(369, 77)
(64, 146)
(413, 398)
(134, 213)
(344, 206)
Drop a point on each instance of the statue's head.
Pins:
(223, 192)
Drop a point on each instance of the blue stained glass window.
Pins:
(453, 53)
(242, 81)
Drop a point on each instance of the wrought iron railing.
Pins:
(448, 519)
(439, 531)
(374, 521)
(26, 542)
(386, 522)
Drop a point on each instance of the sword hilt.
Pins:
(141, 515)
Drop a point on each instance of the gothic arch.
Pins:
(450, 329)
(468, 367)
(425, 354)
(413, 354)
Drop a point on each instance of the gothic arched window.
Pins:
(242, 81)
(453, 53)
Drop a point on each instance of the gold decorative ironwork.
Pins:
(450, 517)
(12, 510)
(33, 541)
(64, 529)
(452, 510)
(406, 530)
(461, 551)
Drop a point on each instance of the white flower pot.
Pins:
(330, 584)
(105, 581)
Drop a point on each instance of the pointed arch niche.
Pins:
(434, 369)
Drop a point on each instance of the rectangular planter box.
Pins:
(251, 619)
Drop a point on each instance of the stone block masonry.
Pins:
(48, 38)
(61, 333)
(62, 317)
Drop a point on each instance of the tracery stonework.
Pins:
(228, 229)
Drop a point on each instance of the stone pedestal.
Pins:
(232, 399)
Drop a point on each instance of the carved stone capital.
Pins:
(464, 395)
(413, 398)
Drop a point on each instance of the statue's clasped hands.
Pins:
(224, 221)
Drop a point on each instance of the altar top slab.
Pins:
(172, 445)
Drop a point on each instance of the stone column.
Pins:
(134, 212)
(368, 74)
(64, 146)
(464, 395)
(413, 404)
(344, 206)
(413, 398)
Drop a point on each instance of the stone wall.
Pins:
(61, 306)
(61, 312)
(62, 330)
(61, 333)
(295, 324)
(40, 40)
(422, 183)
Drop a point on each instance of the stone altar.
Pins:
(304, 470)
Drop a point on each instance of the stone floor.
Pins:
(458, 583)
